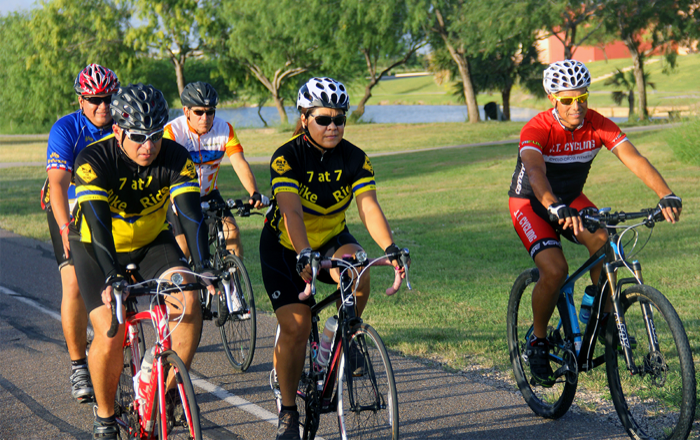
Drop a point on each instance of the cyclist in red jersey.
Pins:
(556, 150)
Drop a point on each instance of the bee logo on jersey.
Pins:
(188, 170)
(368, 165)
(86, 173)
(280, 165)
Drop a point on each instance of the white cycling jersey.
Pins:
(206, 150)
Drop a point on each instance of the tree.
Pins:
(43, 51)
(444, 20)
(379, 31)
(568, 17)
(173, 29)
(275, 43)
(648, 25)
(628, 82)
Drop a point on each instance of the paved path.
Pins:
(266, 159)
(34, 369)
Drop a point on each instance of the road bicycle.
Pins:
(359, 386)
(149, 411)
(233, 312)
(649, 366)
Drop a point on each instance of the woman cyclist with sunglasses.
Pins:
(314, 177)
(557, 148)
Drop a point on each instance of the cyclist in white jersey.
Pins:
(208, 138)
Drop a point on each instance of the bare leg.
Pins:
(105, 360)
(288, 359)
(362, 293)
(74, 317)
(553, 271)
(233, 238)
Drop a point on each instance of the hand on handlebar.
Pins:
(259, 200)
(108, 289)
(400, 262)
(567, 216)
(303, 267)
(671, 206)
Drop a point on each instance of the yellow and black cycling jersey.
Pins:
(137, 196)
(326, 183)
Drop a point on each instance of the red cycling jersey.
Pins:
(567, 154)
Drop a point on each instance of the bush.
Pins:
(684, 142)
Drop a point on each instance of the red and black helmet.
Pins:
(96, 80)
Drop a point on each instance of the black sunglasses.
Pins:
(325, 121)
(141, 138)
(209, 112)
(97, 100)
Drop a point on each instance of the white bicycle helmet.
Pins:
(323, 92)
(565, 75)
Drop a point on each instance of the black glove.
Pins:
(257, 197)
(670, 201)
(559, 211)
(392, 249)
(115, 279)
(303, 259)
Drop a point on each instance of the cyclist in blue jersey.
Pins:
(69, 135)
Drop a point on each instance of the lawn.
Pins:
(450, 208)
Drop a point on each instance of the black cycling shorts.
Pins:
(174, 220)
(56, 241)
(282, 282)
(161, 254)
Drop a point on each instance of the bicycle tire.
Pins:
(376, 411)
(238, 331)
(124, 409)
(553, 402)
(185, 425)
(648, 403)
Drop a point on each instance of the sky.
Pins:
(7, 6)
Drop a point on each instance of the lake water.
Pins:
(378, 114)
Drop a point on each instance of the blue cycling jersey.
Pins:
(68, 137)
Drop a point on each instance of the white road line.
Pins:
(209, 387)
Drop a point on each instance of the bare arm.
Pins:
(642, 168)
(245, 174)
(374, 220)
(59, 181)
(537, 174)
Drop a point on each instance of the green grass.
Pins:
(450, 208)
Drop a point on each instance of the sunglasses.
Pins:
(209, 112)
(141, 138)
(97, 100)
(570, 99)
(325, 121)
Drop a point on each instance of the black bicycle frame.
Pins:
(584, 344)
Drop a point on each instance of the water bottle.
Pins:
(587, 304)
(145, 375)
(324, 351)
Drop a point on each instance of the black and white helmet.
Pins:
(199, 94)
(323, 92)
(139, 107)
(566, 75)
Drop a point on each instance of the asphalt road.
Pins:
(35, 400)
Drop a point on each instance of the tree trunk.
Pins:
(638, 59)
(505, 96)
(464, 73)
(630, 103)
(360, 110)
(279, 103)
(179, 63)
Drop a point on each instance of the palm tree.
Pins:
(627, 81)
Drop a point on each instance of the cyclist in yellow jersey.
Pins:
(123, 185)
(208, 138)
(314, 178)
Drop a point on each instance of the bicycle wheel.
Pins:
(659, 401)
(551, 402)
(124, 399)
(238, 330)
(182, 411)
(368, 407)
